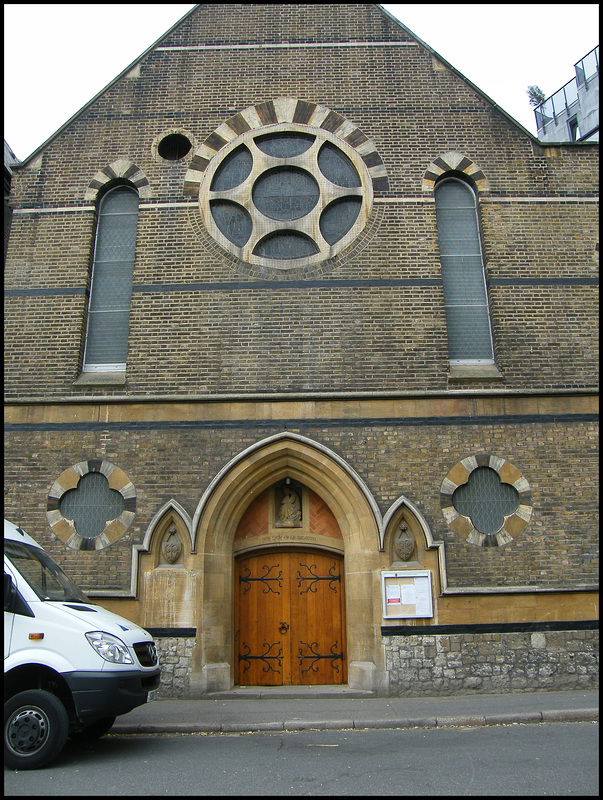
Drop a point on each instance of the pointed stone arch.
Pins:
(214, 526)
(267, 461)
(124, 170)
(403, 512)
(156, 529)
(166, 585)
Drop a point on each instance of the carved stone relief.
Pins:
(404, 543)
(404, 547)
(171, 547)
(288, 510)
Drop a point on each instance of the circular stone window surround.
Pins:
(64, 528)
(462, 525)
(171, 132)
(309, 224)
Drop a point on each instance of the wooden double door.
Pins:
(289, 619)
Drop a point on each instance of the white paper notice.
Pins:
(423, 595)
(393, 594)
(409, 595)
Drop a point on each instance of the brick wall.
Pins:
(200, 325)
(559, 548)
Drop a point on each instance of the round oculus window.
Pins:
(285, 198)
(174, 147)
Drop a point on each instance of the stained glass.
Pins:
(337, 167)
(485, 500)
(338, 217)
(111, 285)
(465, 297)
(233, 170)
(233, 220)
(284, 145)
(91, 504)
(286, 193)
(286, 245)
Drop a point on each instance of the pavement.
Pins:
(294, 708)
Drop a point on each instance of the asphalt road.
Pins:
(545, 759)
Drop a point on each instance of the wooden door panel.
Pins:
(318, 649)
(289, 619)
(263, 605)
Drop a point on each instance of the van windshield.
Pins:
(45, 577)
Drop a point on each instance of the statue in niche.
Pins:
(404, 543)
(289, 513)
(172, 546)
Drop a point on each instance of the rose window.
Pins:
(287, 198)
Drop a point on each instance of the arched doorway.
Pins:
(289, 590)
(242, 482)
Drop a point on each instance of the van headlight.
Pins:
(110, 647)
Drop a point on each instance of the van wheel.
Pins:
(35, 729)
(95, 730)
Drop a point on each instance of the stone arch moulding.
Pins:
(147, 543)
(283, 455)
(401, 508)
(286, 110)
(214, 525)
(455, 162)
(120, 169)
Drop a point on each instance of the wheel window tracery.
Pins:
(291, 195)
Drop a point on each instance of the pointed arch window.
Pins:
(111, 284)
(465, 294)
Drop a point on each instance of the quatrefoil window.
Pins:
(91, 505)
(485, 500)
(290, 197)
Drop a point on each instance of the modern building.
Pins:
(572, 113)
(301, 338)
(10, 159)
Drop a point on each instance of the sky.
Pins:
(53, 66)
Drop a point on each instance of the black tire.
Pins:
(94, 731)
(35, 729)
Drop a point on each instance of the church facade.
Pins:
(301, 338)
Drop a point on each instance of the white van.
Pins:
(70, 667)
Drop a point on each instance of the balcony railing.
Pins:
(564, 99)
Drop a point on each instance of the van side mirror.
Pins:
(13, 601)
(9, 593)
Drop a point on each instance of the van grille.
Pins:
(146, 652)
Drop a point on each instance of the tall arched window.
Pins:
(465, 295)
(111, 284)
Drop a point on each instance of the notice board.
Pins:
(406, 594)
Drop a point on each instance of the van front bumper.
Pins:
(98, 695)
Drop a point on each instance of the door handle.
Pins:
(283, 628)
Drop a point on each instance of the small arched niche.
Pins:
(167, 585)
(404, 543)
(169, 543)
